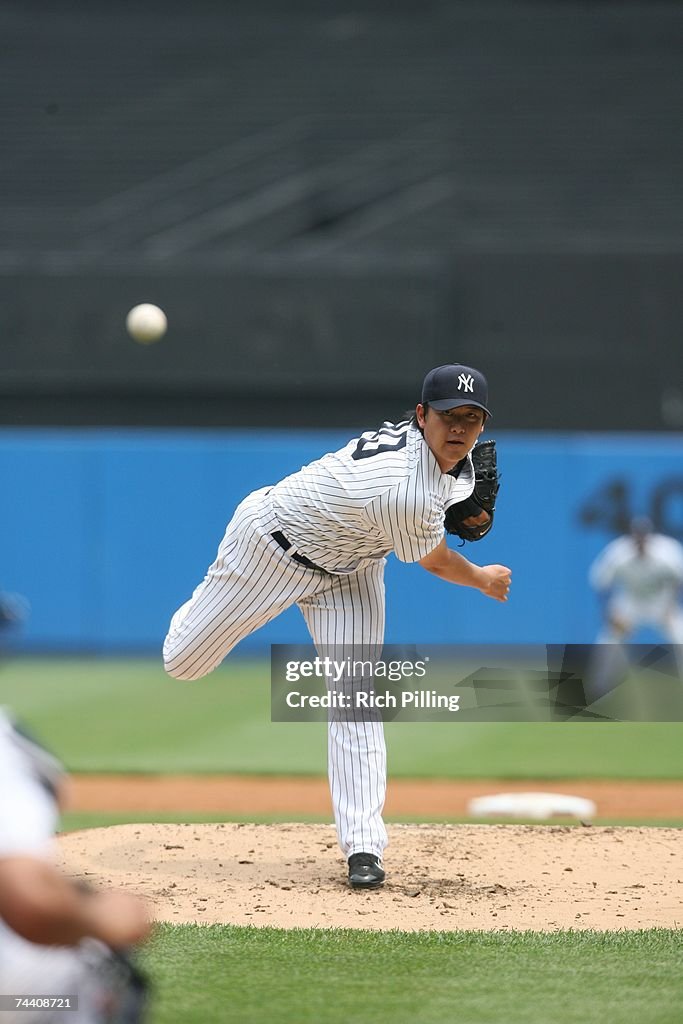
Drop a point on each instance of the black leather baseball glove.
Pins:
(482, 499)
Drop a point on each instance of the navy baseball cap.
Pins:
(452, 385)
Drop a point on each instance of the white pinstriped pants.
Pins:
(252, 581)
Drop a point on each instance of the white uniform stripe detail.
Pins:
(349, 616)
(383, 492)
(235, 598)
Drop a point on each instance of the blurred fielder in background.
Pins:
(57, 937)
(639, 579)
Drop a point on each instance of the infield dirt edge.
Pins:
(439, 877)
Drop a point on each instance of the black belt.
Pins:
(301, 559)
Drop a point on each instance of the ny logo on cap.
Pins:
(466, 381)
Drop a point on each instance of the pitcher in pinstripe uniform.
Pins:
(319, 539)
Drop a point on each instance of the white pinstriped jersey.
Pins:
(383, 492)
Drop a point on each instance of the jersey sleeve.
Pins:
(411, 520)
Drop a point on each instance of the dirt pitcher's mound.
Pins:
(444, 877)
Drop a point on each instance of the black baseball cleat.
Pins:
(365, 871)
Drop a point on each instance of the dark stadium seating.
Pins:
(170, 143)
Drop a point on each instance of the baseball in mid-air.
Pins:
(146, 323)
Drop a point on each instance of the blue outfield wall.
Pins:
(106, 532)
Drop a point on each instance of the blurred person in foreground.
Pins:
(639, 580)
(57, 937)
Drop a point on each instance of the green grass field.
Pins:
(76, 821)
(126, 715)
(250, 976)
(118, 715)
